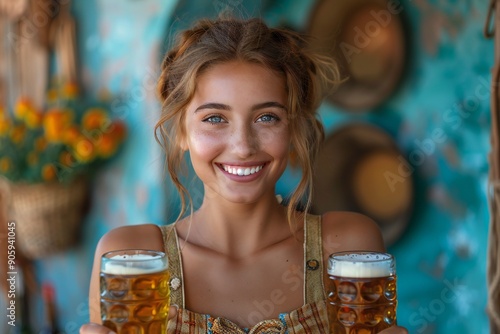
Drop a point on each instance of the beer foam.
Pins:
(361, 265)
(133, 264)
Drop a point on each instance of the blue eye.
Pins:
(214, 119)
(268, 118)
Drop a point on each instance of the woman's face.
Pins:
(237, 131)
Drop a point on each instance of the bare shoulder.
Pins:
(144, 236)
(344, 231)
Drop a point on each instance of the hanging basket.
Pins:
(47, 216)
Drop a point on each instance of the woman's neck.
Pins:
(234, 229)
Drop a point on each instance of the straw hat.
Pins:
(366, 37)
(360, 168)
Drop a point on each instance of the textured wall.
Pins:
(441, 257)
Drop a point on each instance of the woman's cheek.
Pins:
(205, 144)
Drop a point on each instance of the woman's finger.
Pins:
(93, 328)
(172, 311)
(395, 330)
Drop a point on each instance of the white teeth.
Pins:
(242, 170)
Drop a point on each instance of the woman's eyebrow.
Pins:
(211, 105)
(271, 104)
(221, 106)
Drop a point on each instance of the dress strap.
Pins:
(171, 245)
(314, 289)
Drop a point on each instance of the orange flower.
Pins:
(5, 124)
(17, 134)
(23, 107)
(52, 95)
(106, 145)
(49, 172)
(33, 118)
(5, 164)
(84, 150)
(64, 135)
(118, 130)
(70, 90)
(40, 144)
(95, 118)
(55, 123)
(71, 135)
(109, 141)
(4, 127)
(66, 159)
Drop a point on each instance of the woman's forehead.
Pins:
(241, 78)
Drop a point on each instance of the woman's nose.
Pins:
(244, 141)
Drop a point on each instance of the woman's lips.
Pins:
(242, 170)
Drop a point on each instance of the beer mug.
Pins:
(135, 291)
(361, 292)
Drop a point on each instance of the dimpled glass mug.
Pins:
(135, 291)
(362, 295)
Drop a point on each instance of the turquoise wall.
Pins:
(441, 256)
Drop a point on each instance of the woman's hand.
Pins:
(395, 330)
(93, 328)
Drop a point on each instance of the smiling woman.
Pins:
(240, 97)
(281, 52)
(236, 122)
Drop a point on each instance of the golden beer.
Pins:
(362, 295)
(135, 291)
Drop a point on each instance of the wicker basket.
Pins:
(47, 216)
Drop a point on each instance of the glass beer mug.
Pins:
(361, 292)
(135, 291)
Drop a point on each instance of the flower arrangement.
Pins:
(68, 139)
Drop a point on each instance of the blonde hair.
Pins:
(211, 42)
